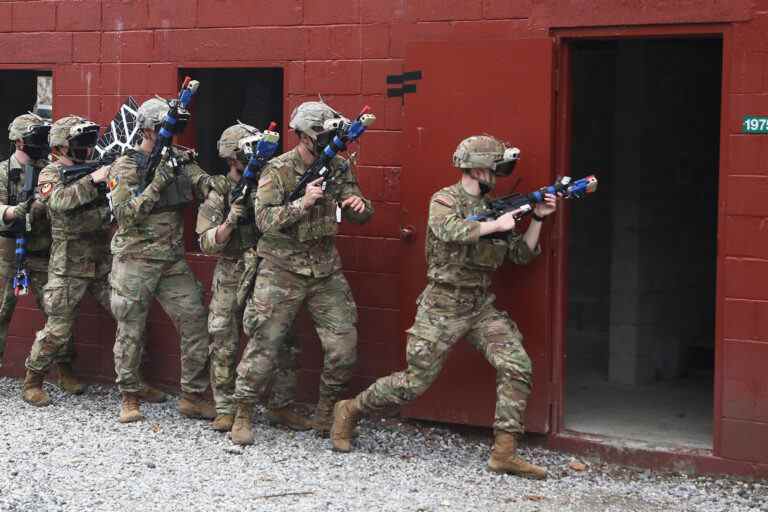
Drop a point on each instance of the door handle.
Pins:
(407, 233)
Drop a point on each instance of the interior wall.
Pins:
(642, 253)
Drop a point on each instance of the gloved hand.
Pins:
(21, 210)
(163, 176)
(236, 212)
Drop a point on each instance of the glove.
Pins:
(163, 176)
(21, 210)
(236, 213)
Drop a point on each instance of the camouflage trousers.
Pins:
(37, 282)
(269, 317)
(445, 315)
(225, 316)
(135, 283)
(61, 301)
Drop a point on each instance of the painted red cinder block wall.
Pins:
(101, 51)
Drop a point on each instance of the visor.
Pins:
(504, 166)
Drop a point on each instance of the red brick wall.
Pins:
(101, 51)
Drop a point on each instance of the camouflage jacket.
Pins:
(80, 225)
(213, 212)
(147, 229)
(456, 255)
(297, 240)
(39, 239)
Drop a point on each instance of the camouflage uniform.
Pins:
(300, 263)
(233, 280)
(148, 250)
(79, 262)
(457, 304)
(38, 251)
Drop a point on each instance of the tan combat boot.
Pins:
(193, 405)
(34, 393)
(129, 411)
(151, 395)
(223, 423)
(323, 418)
(67, 380)
(242, 430)
(286, 417)
(346, 414)
(504, 458)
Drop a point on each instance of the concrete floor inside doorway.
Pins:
(672, 413)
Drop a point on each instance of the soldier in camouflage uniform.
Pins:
(300, 263)
(457, 304)
(79, 260)
(29, 134)
(228, 230)
(148, 250)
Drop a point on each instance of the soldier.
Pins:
(300, 262)
(29, 136)
(79, 260)
(228, 230)
(456, 303)
(148, 250)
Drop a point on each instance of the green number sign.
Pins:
(755, 124)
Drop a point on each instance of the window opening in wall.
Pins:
(23, 90)
(642, 258)
(251, 95)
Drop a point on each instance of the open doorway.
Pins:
(23, 90)
(227, 95)
(642, 254)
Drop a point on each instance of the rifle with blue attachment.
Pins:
(174, 122)
(261, 148)
(22, 227)
(346, 133)
(523, 204)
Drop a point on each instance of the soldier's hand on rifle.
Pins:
(506, 222)
(354, 202)
(20, 210)
(236, 212)
(163, 176)
(312, 193)
(100, 175)
(547, 207)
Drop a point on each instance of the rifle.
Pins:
(261, 147)
(523, 204)
(22, 227)
(174, 122)
(346, 133)
(123, 134)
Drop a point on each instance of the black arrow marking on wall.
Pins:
(406, 88)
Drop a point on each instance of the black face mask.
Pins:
(323, 139)
(81, 147)
(35, 143)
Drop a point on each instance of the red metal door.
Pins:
(502, 88)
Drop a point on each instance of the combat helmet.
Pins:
(78, 134)
(229, 143)
(33, 131)
(486, 152)
(311, 116)
(152, 112)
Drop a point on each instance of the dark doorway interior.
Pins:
(19, 90)
(227, 95)
(641, 302)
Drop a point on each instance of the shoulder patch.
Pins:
(444, 200)
(46, 189)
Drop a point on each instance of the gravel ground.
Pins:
(74, 456)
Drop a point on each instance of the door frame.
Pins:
(562, 150)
